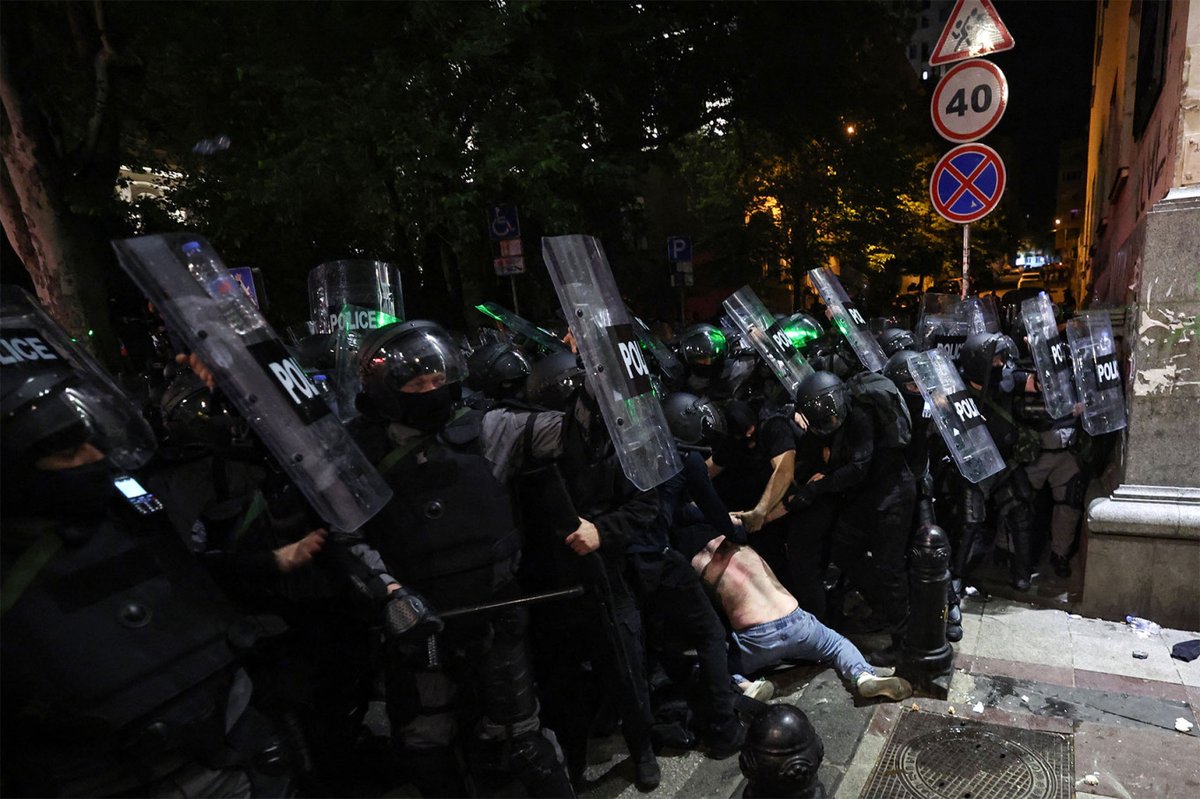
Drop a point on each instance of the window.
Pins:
(1154, 28)
(924, 21)
(924, 51)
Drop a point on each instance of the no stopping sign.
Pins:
(969, 101)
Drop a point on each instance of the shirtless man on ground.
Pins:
(770, 626)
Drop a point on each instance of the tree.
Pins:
(61, 158)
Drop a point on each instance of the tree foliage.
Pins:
(384, 131)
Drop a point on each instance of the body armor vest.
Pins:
(117, 645)
(449, 515)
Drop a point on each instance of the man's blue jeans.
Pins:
(797, 636)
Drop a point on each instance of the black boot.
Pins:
(889, 656)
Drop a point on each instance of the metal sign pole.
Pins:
(516, 307)
(966, 259)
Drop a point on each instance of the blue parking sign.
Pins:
(679, 248)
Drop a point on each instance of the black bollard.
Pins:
(928, 656)
(781, 755)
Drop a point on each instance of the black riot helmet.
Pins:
(895, 339)
(825, 402)
(694, 421)
(412, 372)
(704, 349)
(898, 371)
(194, 417)
(979, 353)
(498, 370)
(40, 415)
(802, 330)
(316, 353)
(554, 380)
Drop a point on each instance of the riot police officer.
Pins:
(988, 366)
(450, 537)
(609, 634)
(711, 368)
(876, 517)
(119, 672)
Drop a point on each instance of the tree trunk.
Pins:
(57, 247)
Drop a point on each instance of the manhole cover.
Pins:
(942, 757)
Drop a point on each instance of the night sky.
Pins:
(1049, 77)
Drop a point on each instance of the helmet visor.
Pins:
(418, 361)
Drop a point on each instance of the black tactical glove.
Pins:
(408, 614)
(800, 500)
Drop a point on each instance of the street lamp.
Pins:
(850, 130)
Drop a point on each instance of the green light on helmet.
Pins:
(718, 340)
(800, 336)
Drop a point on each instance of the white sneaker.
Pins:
(895, 688)
(761, 689)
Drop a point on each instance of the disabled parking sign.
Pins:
(967, 183)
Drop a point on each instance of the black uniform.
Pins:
(119, 675)
(674, 601)
(745, 471)
(451, 533)
(603, 495)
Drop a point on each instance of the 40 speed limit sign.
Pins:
(969, 101)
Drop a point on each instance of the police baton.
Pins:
(431, 646)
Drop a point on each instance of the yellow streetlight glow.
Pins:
(850, 130)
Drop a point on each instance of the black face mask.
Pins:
(915, 403)
(428, 411)
(78, 494)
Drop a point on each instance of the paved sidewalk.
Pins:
(1018, 665)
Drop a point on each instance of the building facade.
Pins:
(1139, 255)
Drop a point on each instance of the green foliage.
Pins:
(384, 130)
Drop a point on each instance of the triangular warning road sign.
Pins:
(974, 29)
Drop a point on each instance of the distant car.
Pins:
(1031, 278)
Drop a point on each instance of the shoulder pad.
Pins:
(463, 429)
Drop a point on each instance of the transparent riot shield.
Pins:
(188, 284)
(1051, 356)
(1097, 372)
(940, 325)
(37, 352)
(979, 315)
(848, 319)
(371, 287)
(956, 415)
(668, 362)
(544, 339)
(769, 337)
(616, 370)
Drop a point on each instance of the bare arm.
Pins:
(783, 471)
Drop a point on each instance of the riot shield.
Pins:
(668, 362)
(616, 371)
(1097, 372)
(956, 415)
(371, 288)
(545, 340)
(848, 319)
(1051, 356)
(187, 282)
(769, 338)
(32, 345)
(939, 325)
(979, 315)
